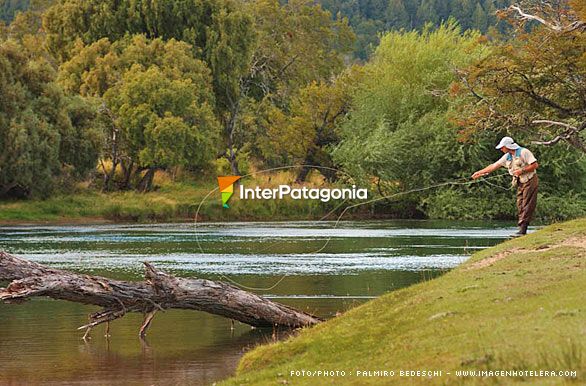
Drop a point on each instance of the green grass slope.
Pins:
(171, 202)
(519, 305)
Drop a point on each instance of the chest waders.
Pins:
(526, 191)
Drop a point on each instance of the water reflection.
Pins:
(39, 342)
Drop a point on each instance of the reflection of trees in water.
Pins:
(181, 350)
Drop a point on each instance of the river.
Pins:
(315, 266)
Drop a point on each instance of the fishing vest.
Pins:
(516, 162)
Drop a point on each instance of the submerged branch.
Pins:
(160, 291)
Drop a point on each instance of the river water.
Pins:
(319, 267)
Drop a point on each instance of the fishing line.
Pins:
(320, 219)
(461, 181)
(251, 174)
(498, 186)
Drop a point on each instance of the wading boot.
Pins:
(521, 232)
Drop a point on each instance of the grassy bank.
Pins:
(519, 305)
(179, 199)
(171, 201)
(177, 202)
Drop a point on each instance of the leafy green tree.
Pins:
(304, 135)
(398, 132)
(157, 101)
(368, 19)
(27, 20)
(404, 131)
(219, 32)
(9, 8)
(426, 13)
(397, 16)
(43, 133)
(168, 120)
(259, 52)
(298, 43)
(480, 18)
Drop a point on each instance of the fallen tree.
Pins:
(159, 291)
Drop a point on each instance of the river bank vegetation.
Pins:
(129, 110)
(515, 306)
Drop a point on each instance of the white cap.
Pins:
(508, 143)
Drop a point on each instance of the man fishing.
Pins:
(522, 165)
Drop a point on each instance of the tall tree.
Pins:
(9, 8)
(297, 43)
(221, 33)
(535, 84)
(156, 99)
(304, 136)
(480, 18)
(397, 16)
(368, 19)
(44, 134)
(398, 131)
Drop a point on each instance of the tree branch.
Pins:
(160, 291)
(573, 26)
(570, 135)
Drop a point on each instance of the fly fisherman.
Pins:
(522, 165)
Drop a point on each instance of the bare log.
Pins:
(160, 291)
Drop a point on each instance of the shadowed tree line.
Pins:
(122, 89)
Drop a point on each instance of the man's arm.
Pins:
(526, 169)
(487, 170)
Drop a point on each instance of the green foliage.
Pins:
(561, 207)
(155, 93)
(184, 20)
(42, 130)
(171, 80)
(167, 121)
(302, 136)
(455, 204)
(402, 133)
(23, 17)
(259, 53)
(370, 18)
(297, 43)
(560, 198)
(398, 129)
(80, 141)
(8, 8)
(532, 86)
(219, 32)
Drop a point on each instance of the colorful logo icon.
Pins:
(226, 184)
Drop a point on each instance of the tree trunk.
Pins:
(146, 183)
(230, 129)
(160, 291)
(108, 175)
(303, 173)
(127, 172)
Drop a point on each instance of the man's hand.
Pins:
(518, 172)
(478, 174)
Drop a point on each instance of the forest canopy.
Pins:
(396, 94)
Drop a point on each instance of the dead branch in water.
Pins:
(159, 291)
